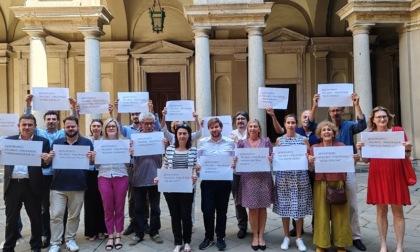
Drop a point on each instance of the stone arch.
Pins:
(3, 27)
(118, 28)
(223, 95)
(291, 16)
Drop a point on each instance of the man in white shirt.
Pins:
(241, 121)
(215, 193)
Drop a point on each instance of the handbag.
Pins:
(409, 173)
(336, 196)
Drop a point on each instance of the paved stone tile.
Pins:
(274, 228)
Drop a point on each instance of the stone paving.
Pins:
(274, 229)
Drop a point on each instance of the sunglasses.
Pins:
(184, 125)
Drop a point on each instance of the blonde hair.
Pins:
(322, 125)
(390, 123)
(117, 125)
(259, 126)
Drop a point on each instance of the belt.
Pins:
(20, 180)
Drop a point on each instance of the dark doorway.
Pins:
(163, 87)
(280, 113)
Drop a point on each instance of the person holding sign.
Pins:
(51, 120)
(293, 197)
(171, 136)
(240, 133)
(386, 181)
(346, 131)
(339, 215)
(144, 173)
(24, 184)
(256, 188)
(215, 193)
(181, 155)
(94, 212)
(113, 184)
(67, 192)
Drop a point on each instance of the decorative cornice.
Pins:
(64, 19)
(228, 15)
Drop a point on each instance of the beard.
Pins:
(216, 134)
(72, 133)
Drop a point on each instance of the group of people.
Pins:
(53, 201)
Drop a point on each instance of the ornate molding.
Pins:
(228, 15)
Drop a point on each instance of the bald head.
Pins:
(304, 117)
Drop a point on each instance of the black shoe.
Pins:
(241, 233)
(255, 247)
(129, 230)
(262, 247)
(45, 243)
(221, 244)
(359, 245)
(206, 244)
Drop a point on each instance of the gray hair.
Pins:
(146, 115)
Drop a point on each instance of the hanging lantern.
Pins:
(157, 16)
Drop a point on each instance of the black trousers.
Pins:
(94, 209)
(140, 196)
(241, 214)
(46, 230)
(19, 192)
(215, 199)
(130, 195)
(179, 205)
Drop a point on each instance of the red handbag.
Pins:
(409, 173)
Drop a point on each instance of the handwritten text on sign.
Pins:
(383, 145)
(276, 98)
(50, 98)
(93, 102)
(335, 95)
(8, 124)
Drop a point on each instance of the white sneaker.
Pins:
(177, 248)
(301, 246)
(286, 243)
(54, 248)
(187, 247)
(72, 246)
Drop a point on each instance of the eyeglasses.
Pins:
(381, 117)
(111, 126)
(148, 123)
(240, 118)
(181, 125)
(335, 111)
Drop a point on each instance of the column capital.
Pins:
(254, 30)
(357, 29)
(320, 54)
(91, 32)
(35, 32)
(201, 31)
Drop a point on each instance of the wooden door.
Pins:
(163, 87)
(280, 113)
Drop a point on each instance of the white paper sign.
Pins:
(71, 157)
(18, 152)
(276, 98)
(145, 144)
(9, 124)
(93, 102)
(112, 151)
(252, 160)
(335, 95)
(226, 121)
(179, 110)
(132, 102)
(50, 98)
(388, 145)
(334, 159)
(216, 167)
(290, 158)
(175, 180)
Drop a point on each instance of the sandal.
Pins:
(118, 245)
(109, 247)
(92, 238)
(101, 236)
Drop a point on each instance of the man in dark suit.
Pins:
(23, 184)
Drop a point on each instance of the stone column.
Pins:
(38, 69)
(5, 52)
(256, 74)
(362, 73)
(92, 65)
(203, 104)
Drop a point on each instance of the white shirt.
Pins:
(208, 147)
(238, 134)
(112, 170)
